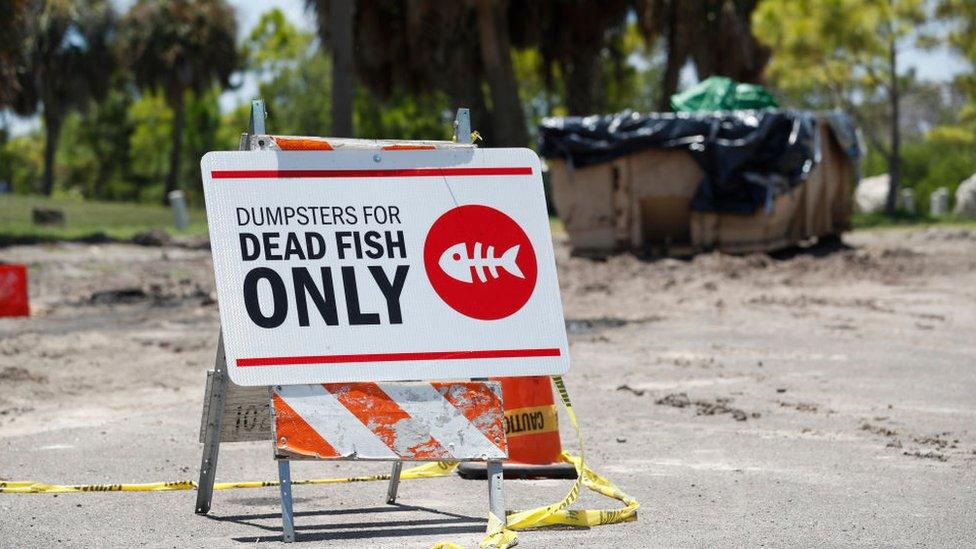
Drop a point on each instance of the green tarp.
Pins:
(719, 93)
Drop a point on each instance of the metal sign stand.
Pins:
(221, 392)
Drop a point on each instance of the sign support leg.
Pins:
(391, 492)
(496, 495)
(287, 516)
(211, 441)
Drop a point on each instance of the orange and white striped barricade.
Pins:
(419, 421)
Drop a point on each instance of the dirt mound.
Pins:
(16, 374)
(154, 237)
(703, 407)
(158, 293)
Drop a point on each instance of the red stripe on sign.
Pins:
(328, 174)
(394, 357)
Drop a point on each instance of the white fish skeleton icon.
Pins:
(456, 263)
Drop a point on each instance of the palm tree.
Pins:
(571, 36)
(427, 47)
(179, 46)
(13, 42)
(66, 63)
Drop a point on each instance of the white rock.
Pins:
(906, 200)
(939, 202)
(966, 198)
(871, 194)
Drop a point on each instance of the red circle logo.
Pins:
(480, 262)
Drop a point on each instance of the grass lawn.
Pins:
(87, 218)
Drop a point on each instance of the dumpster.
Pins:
(679, 183)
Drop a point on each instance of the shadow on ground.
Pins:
(379, 525)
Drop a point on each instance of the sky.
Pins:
(939, 64)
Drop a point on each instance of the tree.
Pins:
(430, 49)
(294, 74)
(343, 75)
(961, 16)
(14, 30)
(179, 47)
(67, 62)
(418, 49)
(575, 40)
(497, 59)
(845, 52)
(94, 151)
(716, 35)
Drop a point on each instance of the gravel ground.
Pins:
(818, 397)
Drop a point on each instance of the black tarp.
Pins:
(748, 157)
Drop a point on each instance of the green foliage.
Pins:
(149, 145)
(232, 125)
(631, 77)
(22, 163)
(961, 16)
(295, 76)
(297, 97)
(180, 46)
(837, 45)
(273, 42)
(200, 137)
(829, 53)
(403, 116)
(94, 153)
(631, 72)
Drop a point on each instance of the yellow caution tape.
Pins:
(427, 470)
(497, 536)
(558, 514)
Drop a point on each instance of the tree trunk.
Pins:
(52, 128)
(894, 158)
(176, 150)
(582, 79)
(508, 119)
(341, 42)
(675, 58)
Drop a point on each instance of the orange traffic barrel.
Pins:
(532, 430)
(13, 290)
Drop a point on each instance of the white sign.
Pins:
(336, 266)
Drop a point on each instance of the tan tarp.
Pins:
(642, 202)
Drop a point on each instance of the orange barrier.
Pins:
(531, 425)
(13, 290)
(532, 430)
